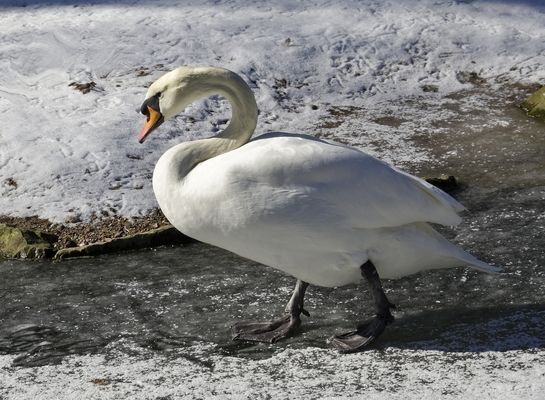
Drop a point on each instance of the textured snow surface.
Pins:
(310, 373)
(72, 154)
(418, 370)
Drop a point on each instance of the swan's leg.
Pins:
(272, 331)
(367, 332)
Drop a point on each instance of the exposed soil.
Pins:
(93, 231)
(83, 87)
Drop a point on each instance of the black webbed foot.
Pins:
(268, 332)
(363, 336)
(281, 328)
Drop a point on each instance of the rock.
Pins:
(535, 104)
(25, 243)
(447, 183)
(469, 77)
(430, 88)
(101, 381)
(157, 237)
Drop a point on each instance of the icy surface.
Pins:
(155, 325)
(72, 154)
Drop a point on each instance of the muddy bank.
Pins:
(39, 238)
(95, 230)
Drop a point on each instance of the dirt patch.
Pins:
(85, 87)
(95, 230)
(337, 115)
(389, 120)
(11, 182)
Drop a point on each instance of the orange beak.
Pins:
(155, 118)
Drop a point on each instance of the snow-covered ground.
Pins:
(66, 155)
(390, 374)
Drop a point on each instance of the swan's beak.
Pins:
(155, 118)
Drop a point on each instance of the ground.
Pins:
(92, 231)
(430, 86)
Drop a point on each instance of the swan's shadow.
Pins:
(503, 328)
(454, 330)
(497, 329)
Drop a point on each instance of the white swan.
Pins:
(323, 212)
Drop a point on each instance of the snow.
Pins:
(73, 155)
(421, 370)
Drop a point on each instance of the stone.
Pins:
(430, 88)
(165, 235)
(535, 104)
(83, 87)
(25, 243)
(469, 77)
(447, 183)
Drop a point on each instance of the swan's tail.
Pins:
(474, 262)
(459, 256)
(418, 247)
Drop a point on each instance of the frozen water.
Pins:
(157, 323)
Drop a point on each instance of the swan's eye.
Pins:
(144, 109)
(152, 102)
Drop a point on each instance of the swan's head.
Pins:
(174, 91)
(168, 96)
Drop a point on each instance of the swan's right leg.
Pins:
(367, 332)
(272, 331)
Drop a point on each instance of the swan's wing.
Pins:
(296, 180)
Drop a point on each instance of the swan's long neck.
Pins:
(178, 161)
(243, 107)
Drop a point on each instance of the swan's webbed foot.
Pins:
(281, 328)
(268, 332)
(363, 336)
(369, 331)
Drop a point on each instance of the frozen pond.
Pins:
(174, 297)
(155, 324)
(153, 311)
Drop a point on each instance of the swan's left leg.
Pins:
(367, 332)
(272, 331)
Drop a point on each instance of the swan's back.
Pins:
(310, 181)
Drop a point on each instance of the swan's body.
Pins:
(313, 209)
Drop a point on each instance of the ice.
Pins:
(155, 324)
